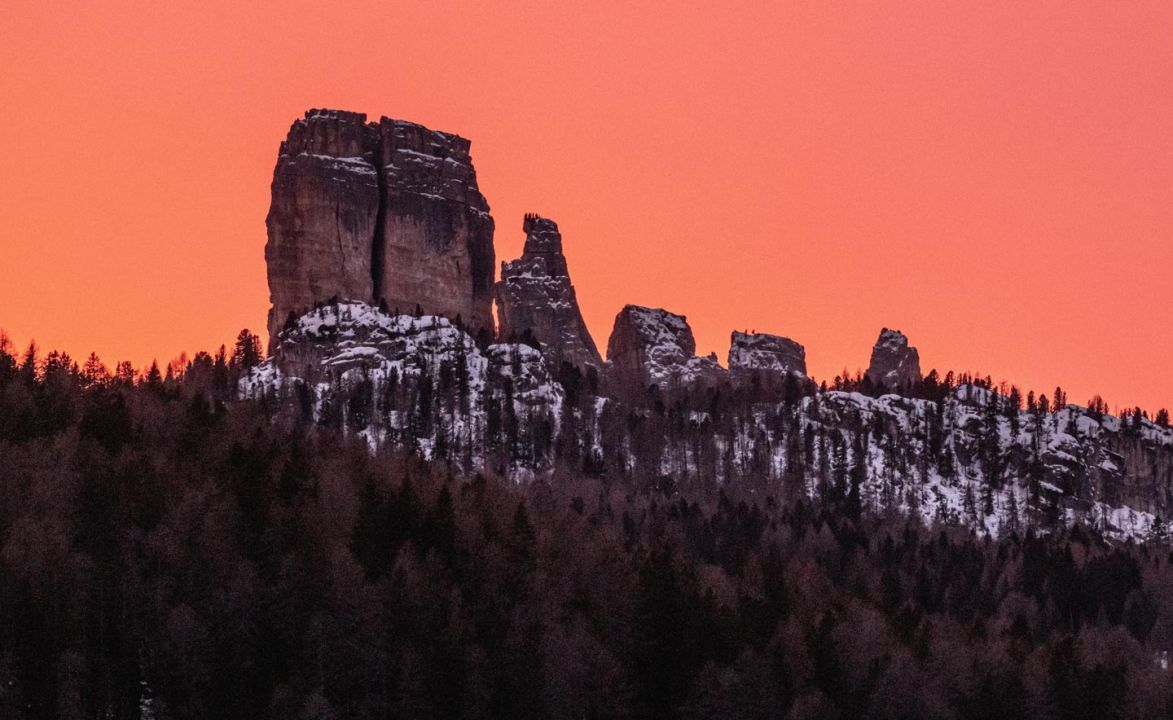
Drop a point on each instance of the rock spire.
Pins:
(895, 364)
(377, 211)
(535, 295)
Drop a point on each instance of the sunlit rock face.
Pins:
(650, 346)
(387, 211)
(894, 364)
(535, 296)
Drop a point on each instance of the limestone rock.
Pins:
(535, 294)
(765, 360)
(650, 346)
(321, 222)
(350, 366)
(368, 211)
(436, 245)
(894, 364)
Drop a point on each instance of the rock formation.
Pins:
(369, 211)
(765, 360)
(650, 346)
(390, 210)
(350, 366)
(436, 245)
(535, 295)
(323, 214)
(894, 364)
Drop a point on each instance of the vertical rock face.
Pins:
(765, 359)
(535, 294)
(368, 211)
(435, 248)
(894, 364)
(323, 213)
(650, 346)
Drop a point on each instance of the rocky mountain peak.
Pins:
(535, 296)
(323, 214)
(542, 239)
(371, 211)
(765, 360)
(651, 346)
(435, 245)
(894, 363)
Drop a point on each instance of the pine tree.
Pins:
(7, 358)
(153, 378)
(29, 365)
(247, 351)
(1060, 400)
(94, 372)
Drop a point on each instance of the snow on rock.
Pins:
(766, 362)
(650, 346)
(411, 381)
(959, 462)
(968, 458)
(894, 364)
(535, 296)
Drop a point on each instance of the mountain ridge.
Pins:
(432, 372)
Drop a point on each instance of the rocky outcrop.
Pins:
(894, 364)
(535, 295)
(764, 360)
(421, 384)
(650, 346)
(377, 211)
(414, 382)
(323, 214)
(435, 248)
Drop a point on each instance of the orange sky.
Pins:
(996, 179)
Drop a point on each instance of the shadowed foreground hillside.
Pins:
(168, 552)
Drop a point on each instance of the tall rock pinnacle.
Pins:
(535, 294)
(377, 211)
(895, 364)
(323, 214)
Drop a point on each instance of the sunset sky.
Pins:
(995, 179)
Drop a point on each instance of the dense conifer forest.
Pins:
(168, 551)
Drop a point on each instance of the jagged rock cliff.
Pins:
(894, 364)
(369, 211)
(765, 361)
(650, 346)
(436, 245)
(323, 214)
(411, 381)
(967, 456)
(535, 295)
(391, 210)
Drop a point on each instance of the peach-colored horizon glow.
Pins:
(994, 178)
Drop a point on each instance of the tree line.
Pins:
(168, 551)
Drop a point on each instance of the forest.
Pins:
(169, 551)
